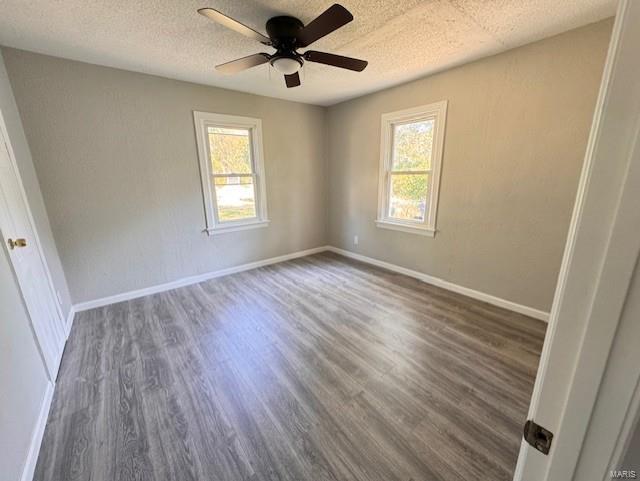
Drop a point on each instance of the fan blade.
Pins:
(232, 24)
(336, 60)
(292, 80)
(331, 19)
(243, 63)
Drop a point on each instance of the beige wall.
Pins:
(516, 133)
(116, 156)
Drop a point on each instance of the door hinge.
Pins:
(537, 436)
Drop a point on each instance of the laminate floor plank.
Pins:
(316, 369)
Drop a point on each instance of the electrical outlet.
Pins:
(355, 240)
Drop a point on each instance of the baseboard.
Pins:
(69, 321)
(186, 281)
(436, 281)
(36, 438)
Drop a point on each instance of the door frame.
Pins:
(4, 134)
(601, 253)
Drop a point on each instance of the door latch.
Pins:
(16, 243)
(537, 436)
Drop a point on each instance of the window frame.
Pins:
(438, 112)
(204, 120)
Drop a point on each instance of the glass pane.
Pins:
(230, 150)
(412, 144)
(236, 198)
(408, 196)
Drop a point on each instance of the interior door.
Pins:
(596, 272)
(20, 241)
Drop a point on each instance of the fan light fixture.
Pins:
(286, 65)
(287, 35)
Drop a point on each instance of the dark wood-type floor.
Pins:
(315, 369)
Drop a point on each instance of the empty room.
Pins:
(296, 240)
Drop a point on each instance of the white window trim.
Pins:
(202, 121)
(438, 111)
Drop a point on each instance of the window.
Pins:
(410, 158)
(230, 152)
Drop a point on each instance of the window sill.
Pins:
(223, 229)
(412, 229)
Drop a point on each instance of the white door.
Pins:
(22, 245)
(602, 249)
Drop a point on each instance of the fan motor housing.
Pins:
(283, 31)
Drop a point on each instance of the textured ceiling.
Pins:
(401, 39)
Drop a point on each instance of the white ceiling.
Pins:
(401, 39)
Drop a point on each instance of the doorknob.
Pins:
(16, 243)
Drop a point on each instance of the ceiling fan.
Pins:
(287, 35)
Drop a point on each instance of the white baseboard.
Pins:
(496, 301)
(69, 321)
(36, 438)
(436, 281)
(186, 281)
